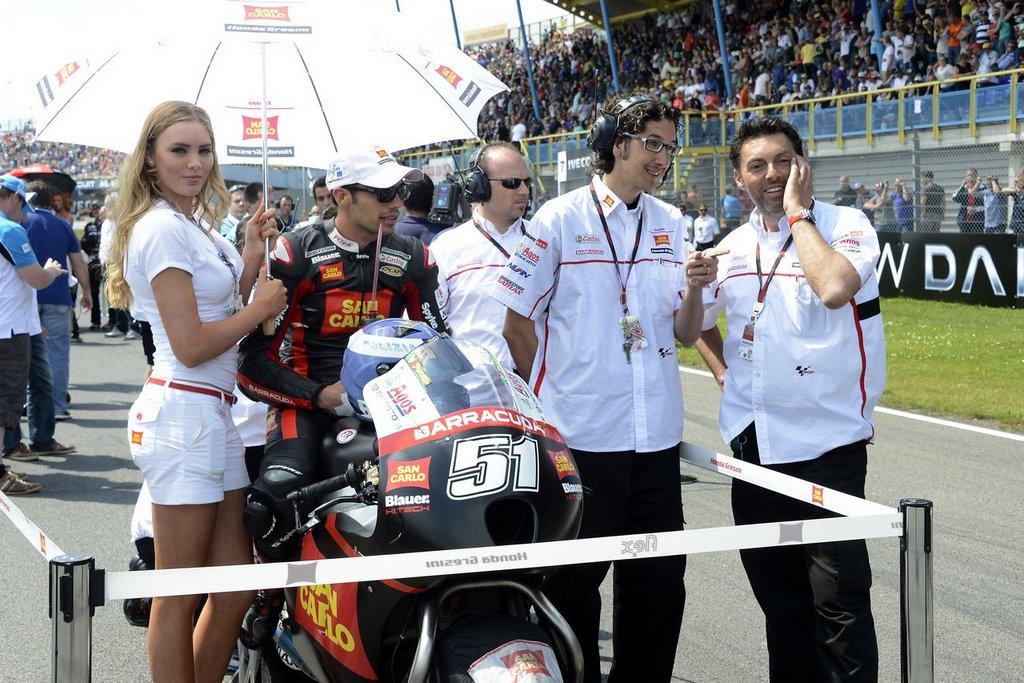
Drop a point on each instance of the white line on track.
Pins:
(910, 416)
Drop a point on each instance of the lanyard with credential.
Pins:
(747, 342)
(631, 329)
(490, 239)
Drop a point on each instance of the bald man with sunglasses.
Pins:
(340, 273)
(470, 255)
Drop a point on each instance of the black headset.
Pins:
(602, 135)
(478, 185)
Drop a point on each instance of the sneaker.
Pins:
(108, 327)
(11, 484)
(54, 448)
(76, 340)
(22, 453)
(131, 334)
(63, 417)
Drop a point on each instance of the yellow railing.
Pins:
(542, 151)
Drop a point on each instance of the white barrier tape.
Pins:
(39, 540)
(807, 491)
(165, 582)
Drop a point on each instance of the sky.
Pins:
(76, 27)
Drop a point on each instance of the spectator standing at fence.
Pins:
(90, 244)
(932, 204)
(732, 209)
(1017, 192)
(845, 195)
(793, 399)
(880, 206)
(902, 206)
(971, 216)
(469, 255)
(52, 237)
(20, 277)
(600, 277)
(417, 208)
(705, 229)
(190, 284)
(995, 206)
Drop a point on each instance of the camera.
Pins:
(449, 205)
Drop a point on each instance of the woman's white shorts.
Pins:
(186, 445)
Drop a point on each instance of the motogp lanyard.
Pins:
(746, 348)
(504, 252)
(615, 258)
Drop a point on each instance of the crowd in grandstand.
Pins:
(19, 148)
(779, 52)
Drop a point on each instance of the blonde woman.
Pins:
(189, 283)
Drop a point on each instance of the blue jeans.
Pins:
(40, 402)
(56, 320)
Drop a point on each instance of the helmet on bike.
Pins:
(374, 349)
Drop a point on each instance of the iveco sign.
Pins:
(986, 269)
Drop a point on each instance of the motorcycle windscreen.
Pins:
(446, 378)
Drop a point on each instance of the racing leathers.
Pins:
(329, 281)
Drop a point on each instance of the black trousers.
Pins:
(816, 597)
(627, 493)
(95, 276)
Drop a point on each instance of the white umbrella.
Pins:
(285, 83)
(327, 72)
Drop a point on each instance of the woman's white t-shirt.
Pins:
(165, 238)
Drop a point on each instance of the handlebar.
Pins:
(351, 477)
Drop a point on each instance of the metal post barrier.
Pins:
(916, 621)
(76, 589)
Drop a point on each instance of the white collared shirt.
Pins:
(816, 374)
(562, 276)
(165, 238)
(468, 264)
(704, 229)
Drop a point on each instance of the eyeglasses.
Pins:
(513, 183)
(236, 188)
(654, 145)
(384, 194)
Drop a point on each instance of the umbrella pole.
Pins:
(268, 325)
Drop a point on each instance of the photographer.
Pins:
(880, 205)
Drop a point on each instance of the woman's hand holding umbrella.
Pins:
(260, 230)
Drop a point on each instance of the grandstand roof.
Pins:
(618, 10)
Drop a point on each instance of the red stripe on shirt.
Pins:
(609, 261)
(863, 366)
(466, 270)
(543, 360)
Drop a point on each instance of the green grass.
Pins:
(948, 359)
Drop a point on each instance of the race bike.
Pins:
(458, 455)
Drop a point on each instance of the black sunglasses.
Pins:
(513, 183)
(384, 194)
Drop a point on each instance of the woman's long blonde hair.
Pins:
(138, 191)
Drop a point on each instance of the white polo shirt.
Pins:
(468, 263)
(816, 374)
(164, 238)
(704, 229)
(562, 276)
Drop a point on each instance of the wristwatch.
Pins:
(802, 215)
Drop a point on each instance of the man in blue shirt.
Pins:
(417, 206)
(52, 237)
(732, 210)
(20, 276)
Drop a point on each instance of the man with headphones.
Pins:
(598, 292)
(468, 256)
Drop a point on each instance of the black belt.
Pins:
(868, 309)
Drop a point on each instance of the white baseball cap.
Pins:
(372, 166)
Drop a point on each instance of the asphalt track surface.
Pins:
(975, 481)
